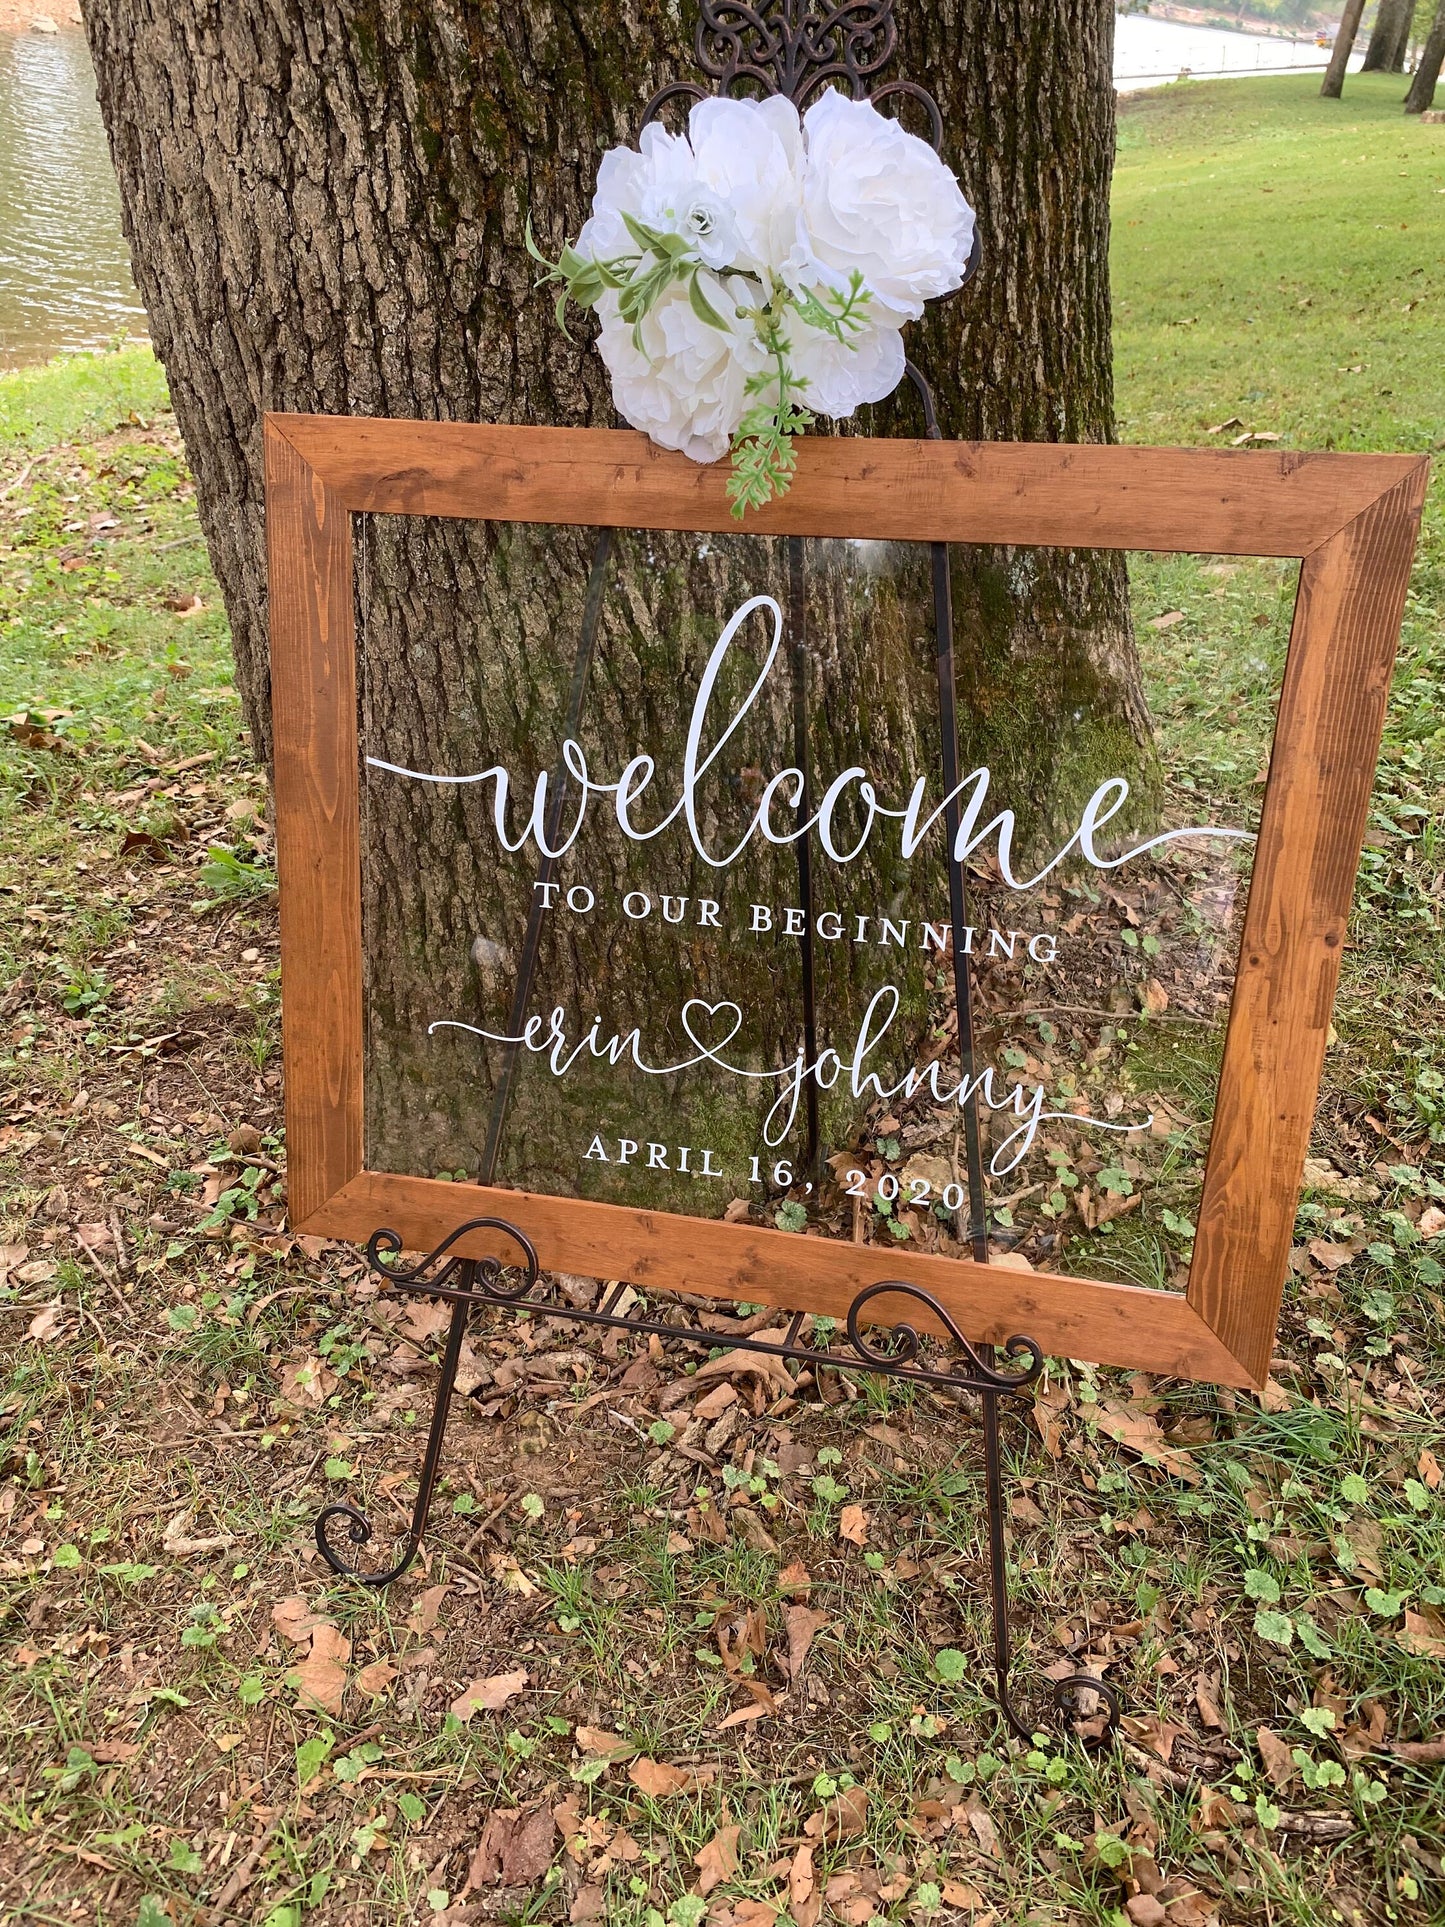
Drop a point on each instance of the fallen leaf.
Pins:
(489, 1695)
(321, 1677)
(1148, 1729)
(853, 1525)
(1423, 1634)
(423, 1616)
(1139, 1433)
(740, 1715)
(1234, 421)
(1167, 620)
(112, 1752)
(983, 1828)
(1154, 998)
(718, 1860)
(590, 1904)
(375, 1678)
(1278, 1763)
(795, 1578)
(1429, 1469)
(45, 1323)
(804, 1624)
(295, 1620)
(1205, 1699)
(1432, 1221)
(515, 1847)
(803, 1900)
(657, 1780)
(597, 1740)
(841, 1819)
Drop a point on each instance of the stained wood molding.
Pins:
(1352, 519)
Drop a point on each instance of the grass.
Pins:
(1271, 1596)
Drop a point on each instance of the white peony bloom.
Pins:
(687, 389)
(750, 153)
(879, 200)
(656, 185)
(843, 375)
(731, 186)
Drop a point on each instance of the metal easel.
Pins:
(792, 48)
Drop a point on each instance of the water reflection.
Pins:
(65, 278)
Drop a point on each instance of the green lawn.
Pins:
(1264, 1581)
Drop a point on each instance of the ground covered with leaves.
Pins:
(708, 1645)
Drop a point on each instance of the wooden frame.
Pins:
(1352, 519)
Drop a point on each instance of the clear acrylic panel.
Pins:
(627, 1019)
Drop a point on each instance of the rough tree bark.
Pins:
(1390, 38)
(1333, 83)
(325, 201)
(1427, 73)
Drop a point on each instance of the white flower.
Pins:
(879, 200)
(843, 375)
(687, 388)
(730, 185)
(750, 153)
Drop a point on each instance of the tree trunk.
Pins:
(325, 201)
(1390, 38)
(1334, 80)
(1432, 57)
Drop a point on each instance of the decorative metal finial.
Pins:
(796, 48)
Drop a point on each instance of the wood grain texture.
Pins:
(1353, 517)
(318, 858)
(1327, 738)
(1072, 1317)
(1205, 501)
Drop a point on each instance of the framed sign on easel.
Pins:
(732, 983)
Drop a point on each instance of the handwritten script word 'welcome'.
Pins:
(786, 789)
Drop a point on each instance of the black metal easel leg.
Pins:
(358, 1525)
(1071, 1696)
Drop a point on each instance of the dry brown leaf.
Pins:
(1137, 1432)
(804, 1902)
(1423, 1634)
(804, 1624)
(853, 1525)
(740, 1715)
(718, 1860)
(597, 1740)
(422, 1618)
(112, 1752)
(983, 1828)
(515, 1848)
(375, 1678)
(295, 1620)
(1432, 1221)
(589, 1904)
(45, 1323)
(1206, 1699)
(1170, 616)
(1148, 1729)
(658, 1780)
(1429, 1469)
(1278, 1763)
(489, 1695)
(795, 1579)
(1154, 998)
(841, 1819)
(320, 1678)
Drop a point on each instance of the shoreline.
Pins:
(20, 16)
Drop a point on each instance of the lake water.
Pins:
(65, 277)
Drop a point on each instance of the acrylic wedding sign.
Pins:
(681, 922)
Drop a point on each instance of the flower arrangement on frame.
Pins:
(757, 272)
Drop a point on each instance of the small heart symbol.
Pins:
(697, 1003)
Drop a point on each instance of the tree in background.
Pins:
(1390, 40)
(326, 201)
(1427, 72)
(1333, 83)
